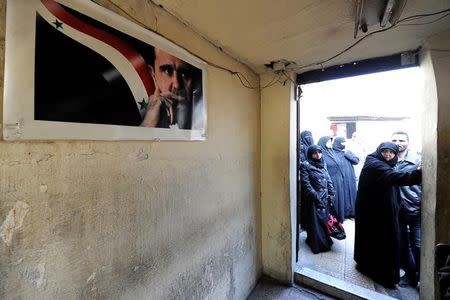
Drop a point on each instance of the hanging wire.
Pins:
(413, 17)
(424, 15)
(288, 78)
(434, 21)
(440, 50)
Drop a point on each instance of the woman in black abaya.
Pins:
(346, 160)
(306, 140)
(336, 174)
(377, 233)
(318, 189)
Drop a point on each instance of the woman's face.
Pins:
(388, 154)
(316, 155)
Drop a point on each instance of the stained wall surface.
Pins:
(429, 177)
(276, 180)
(139, 219)
(435, 62)
(436, 162)
(439, 48)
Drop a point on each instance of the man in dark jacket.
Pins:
(409, 215)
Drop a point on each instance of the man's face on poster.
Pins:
(173, 75)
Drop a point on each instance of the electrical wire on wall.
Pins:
(279, 75)
(399, 23)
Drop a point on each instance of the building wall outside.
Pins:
(138, 219)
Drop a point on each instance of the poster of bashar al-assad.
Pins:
(74, 70)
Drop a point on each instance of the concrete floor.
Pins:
(339, 263)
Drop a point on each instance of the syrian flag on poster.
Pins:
(86, 71)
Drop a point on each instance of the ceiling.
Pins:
(303, 32)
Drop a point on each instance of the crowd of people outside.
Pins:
(380, 191)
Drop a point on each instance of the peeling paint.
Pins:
(18, 262)
(43, 188)
(46, 157)
(13, 221)
(141, 155)
(34, 275)
(92, 277)
(93, 153)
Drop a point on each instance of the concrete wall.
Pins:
(135, 220)
(436, 145)
(429, 176)
(439, 49)
(278, 196)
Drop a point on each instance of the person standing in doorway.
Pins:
(336, 174)
(306, 140)
(346, 160)
(377, 230)
(319, 195)
(410, 210)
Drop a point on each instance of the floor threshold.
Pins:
(335, 287)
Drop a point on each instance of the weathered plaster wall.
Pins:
(135, 220)
(429, 159)
(276, 230)
(436, 157)
(441, 66)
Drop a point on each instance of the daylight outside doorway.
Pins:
(365, 110)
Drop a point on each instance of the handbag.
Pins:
(334, 228)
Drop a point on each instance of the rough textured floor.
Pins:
(271, 290)
(339, 263)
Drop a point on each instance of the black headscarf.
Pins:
(338, 143)
(390, 146)
(319, 163)
(323, 144)
(306, 138)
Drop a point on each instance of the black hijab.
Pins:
(323, 142)
(306, 138)
(338, 143)
(383, 146)
(328, 151)
(319, 163)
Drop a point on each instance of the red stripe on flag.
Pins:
(134, 57)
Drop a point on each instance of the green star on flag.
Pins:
(143, 104)
(58, 24)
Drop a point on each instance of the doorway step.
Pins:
(335, 287)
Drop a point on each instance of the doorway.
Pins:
(365, 110)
